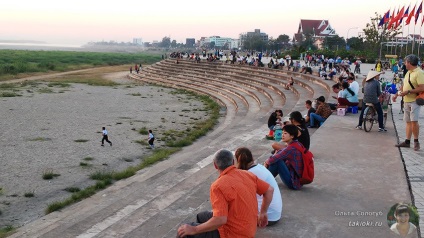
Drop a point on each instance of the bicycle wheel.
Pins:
(369, 114)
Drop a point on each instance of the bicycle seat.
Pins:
(369, 104)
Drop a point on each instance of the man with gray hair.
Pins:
(234, 203)
(413, 83)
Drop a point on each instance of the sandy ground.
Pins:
(38, 132)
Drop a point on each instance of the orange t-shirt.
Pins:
(233, 195)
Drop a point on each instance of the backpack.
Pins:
(308, 164)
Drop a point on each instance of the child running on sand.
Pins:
(105, 137)
(151, 139)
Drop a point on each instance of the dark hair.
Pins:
(223, 159)
(297, 116)
(280, 111)
(309, 102)
(150, 131)
(345, 85)
(336, 86)
(103, 128)
(244, 158)
(401, 208)
(412, 59)
(321, 99)
(292, 130)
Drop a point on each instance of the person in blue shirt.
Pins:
(348, 96)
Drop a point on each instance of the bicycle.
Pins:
(371, 115)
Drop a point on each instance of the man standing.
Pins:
(413, 83)
(234, 203)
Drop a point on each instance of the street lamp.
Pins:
(347, 36)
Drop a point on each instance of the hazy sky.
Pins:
(77, 22)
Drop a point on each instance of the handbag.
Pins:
(420, 97)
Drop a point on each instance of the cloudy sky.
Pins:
(77, 22)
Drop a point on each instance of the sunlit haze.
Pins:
(78, 22)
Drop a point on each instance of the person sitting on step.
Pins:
(348, 97)
(322, 113)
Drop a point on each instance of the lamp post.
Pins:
(347, 35)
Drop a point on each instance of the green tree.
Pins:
(174, 43)
(166, 42)
(375, 36)
(283, 41)
(308, 43)
(356, 43)
(334, 42)
(254, 42)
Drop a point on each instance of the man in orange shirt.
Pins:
(234, 203)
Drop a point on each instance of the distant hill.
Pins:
(23, 41)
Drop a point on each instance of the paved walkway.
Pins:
(413, 160)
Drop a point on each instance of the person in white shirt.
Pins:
(332, 73)
(245, 161)
(105, 137)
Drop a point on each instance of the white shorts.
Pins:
(411, 111)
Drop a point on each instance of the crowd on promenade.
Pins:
(262, 204)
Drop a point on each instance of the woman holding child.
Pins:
(288, 162)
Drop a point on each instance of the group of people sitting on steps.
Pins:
(347, 93)
(242, 201)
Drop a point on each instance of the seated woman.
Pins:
(287, 162)
(348, 97)
(289, 84)
(275, 118)
(303, 134)
(245, 161)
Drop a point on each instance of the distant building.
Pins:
(190, 42)
(403, 40)
(220, 41)
(317, 29)
(247, 35)
(235, 44)
(217, 40)
(137, 41)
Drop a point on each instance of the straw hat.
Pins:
(372, 74)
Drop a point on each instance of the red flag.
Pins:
(399, 16)
(417, 14)
(410, 16)
(392, 20)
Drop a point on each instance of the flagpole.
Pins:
(407, 42)
(413, 42)
(401, 46)
(419, 44)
